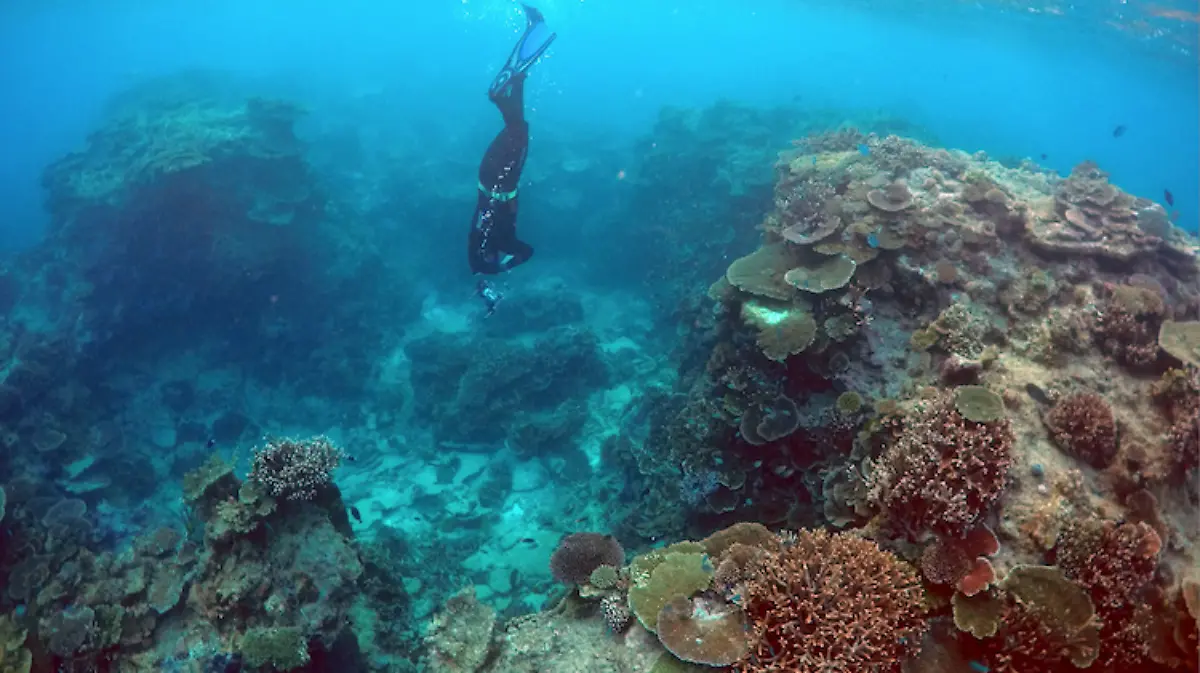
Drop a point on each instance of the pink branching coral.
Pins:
(943, 472)
(1184, 443)
(831, 603)
(1179, 393)
(1116, 564)
(295, 469)
(1083, 426)
(1127, 327)
(962, 562)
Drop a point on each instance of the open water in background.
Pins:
(1010, 79)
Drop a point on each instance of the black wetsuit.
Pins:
(493, 246)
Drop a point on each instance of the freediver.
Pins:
(492, 245)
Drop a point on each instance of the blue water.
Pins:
(985, 76)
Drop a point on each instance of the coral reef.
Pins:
(831, 601)
(1083, 425)
(944, 472)
(580, 555)
(295, 469)
(983, 375)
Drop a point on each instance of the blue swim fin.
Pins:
(533, 43)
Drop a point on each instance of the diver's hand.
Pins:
(489, 294)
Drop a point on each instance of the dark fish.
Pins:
(1169, 197)
(1035, 391)
(350, 458)
(355, 513)
(1119, 131)
(211, 442)
(529, 541)
(1044, 157)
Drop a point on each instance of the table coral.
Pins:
(703, 631)
(1094, 218)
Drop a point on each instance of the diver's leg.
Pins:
(511, 251)
(511, 102)
(481, 251)
(533, 43)
(500, 169)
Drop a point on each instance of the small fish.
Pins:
(1035, 391)
(1169, 197)
(872, 240)
(863, 149)
(211, 442)
(978, 666)
(529, 541)
(1044, 157)
(350, 458)
(355, 513)
(1119, 131)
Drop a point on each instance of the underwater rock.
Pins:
(460, 635)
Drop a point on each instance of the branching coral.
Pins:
(295, 469)
(1179, 393)
(1116, 564)
(943, 472)
(962, 562)
(831, 602)
(1047, 622)
(1083, 426)
(1127, 329)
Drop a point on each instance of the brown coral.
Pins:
(831, 602)
(962, 562)
(1129, 334)
(703, 631)
(1083, 426)
(1181, 340)
(894, 198)
(1048, 622)
(579, 554)
(943, 472)
(761, 272)
(1116, 564)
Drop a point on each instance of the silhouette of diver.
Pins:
(493, 246)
